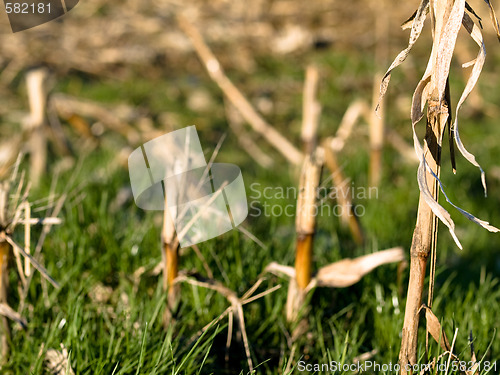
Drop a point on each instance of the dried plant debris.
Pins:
(234, 312)
(14, 210)
(7, 311)
(435, 329)
(435, 80)
(58, 362)
(345, 272)
(139, 34)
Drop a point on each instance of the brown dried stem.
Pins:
(234, 312)
(254, 119)
(245, 140)
(377, 126)
(37, 95)
(305, 224)
(311, 110)
(425, 234)
(5, 250)
(342, 193)
(170, 253)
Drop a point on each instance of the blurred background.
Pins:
(115, 74)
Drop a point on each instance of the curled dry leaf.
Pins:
(475, 33)
(347, 272)
(494, 19)
(416, 29)
(435, 329)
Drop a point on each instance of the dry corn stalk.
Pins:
(245, 139)
(305, 218)
(311, 110)
(170, 254)
(343, 194)
(5, 250)
(37, 95)
(254, 119)
(447, 16)
(305, 224)
(169, 237)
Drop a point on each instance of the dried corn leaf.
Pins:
(473, 12)
(435, 329)
(409, 22)
(347, 272)
(421, 96)
(436, 208)
(419, 99)
(416, 30)
(446, 46)
(482, 223)
(475, 33)
(494, 19)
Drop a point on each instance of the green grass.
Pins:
(101, 243)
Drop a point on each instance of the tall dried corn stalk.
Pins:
(447, 16)
(305, 218)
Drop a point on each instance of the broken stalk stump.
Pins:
(170, 254)
(305, 224)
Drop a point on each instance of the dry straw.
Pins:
(15, 214)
